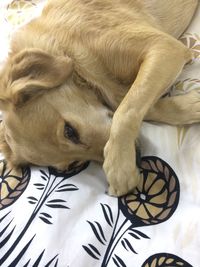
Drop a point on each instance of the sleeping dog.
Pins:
(82, 77)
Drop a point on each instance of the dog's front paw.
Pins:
(120, 168)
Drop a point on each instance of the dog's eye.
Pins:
(71, 133)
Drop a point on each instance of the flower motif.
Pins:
(184, 86)
(192, 41)
(12, 184)
(165, 259)
(156, 197)
(20, 11)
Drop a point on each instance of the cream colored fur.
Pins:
(79, 63)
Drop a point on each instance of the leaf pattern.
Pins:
(67, 187)
(53, 181)
(44, 219)
(107, 212)
(57, 206)
(32, 200)
(98, 232)
(127, 245)
(138, 233)
(118, 261)
(92, 251)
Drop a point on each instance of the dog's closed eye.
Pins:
(71, 133)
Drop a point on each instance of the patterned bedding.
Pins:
(50, 218)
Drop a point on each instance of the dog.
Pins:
(82, 77)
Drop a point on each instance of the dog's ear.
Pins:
(33, 71)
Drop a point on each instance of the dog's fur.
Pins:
(83, 60)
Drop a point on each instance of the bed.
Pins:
(66, 219)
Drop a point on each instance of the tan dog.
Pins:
(82, 60)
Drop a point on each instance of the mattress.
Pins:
(66, 219)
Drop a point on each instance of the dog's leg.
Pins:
(160, 67)
(176, 110)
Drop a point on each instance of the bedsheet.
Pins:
(65, 219)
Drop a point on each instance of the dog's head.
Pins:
(47, 119)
